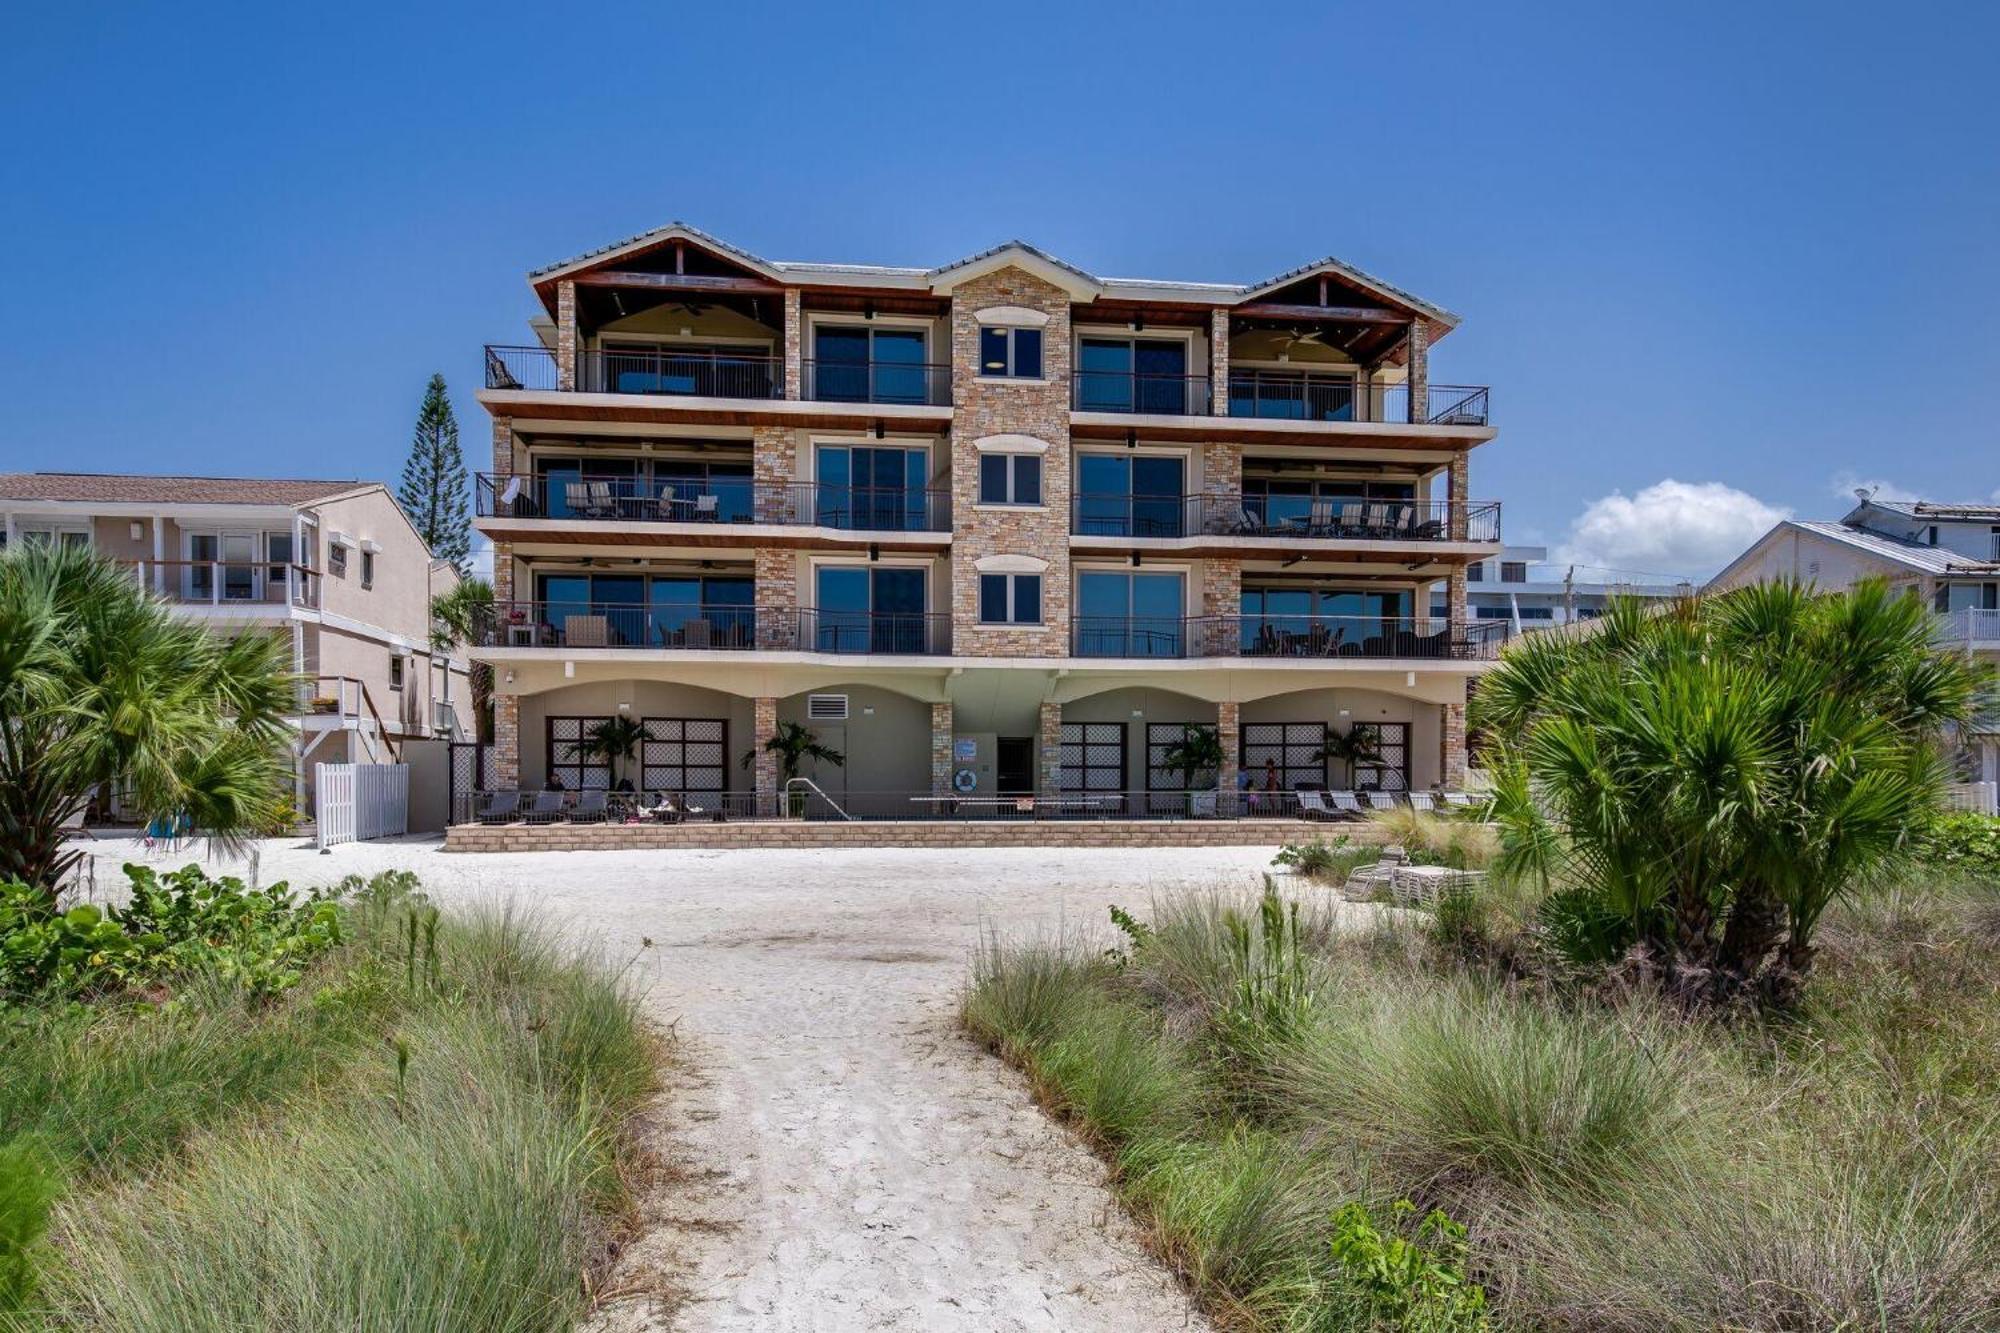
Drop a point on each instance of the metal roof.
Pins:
(1914, 555)
(120, 488)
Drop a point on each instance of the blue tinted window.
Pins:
(993, 479)
(1028, 599)
(1028, 353)
(993, 351)
(992, 599)
(1027, 480)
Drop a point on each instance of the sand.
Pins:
(842, 1157)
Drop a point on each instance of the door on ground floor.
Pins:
(1014, 765)
(1392, 749)
(1283, 756)
(1092, 757)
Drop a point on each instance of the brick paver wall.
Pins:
(860, 833)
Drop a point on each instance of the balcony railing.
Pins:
(1289, 516)
(912, 384)
(716, 500)
(1972, 625)
(577, 624)
(237, 583)
(662, 372)
(1280, 395)
(1140, 392)
(1280, 636)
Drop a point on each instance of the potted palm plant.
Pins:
(1198, 751)
(1349, 748)
(795, 743)
(613, 741)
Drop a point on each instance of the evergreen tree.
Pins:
(434, 486)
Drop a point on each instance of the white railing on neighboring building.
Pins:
(1981, 798)
(1972, 625)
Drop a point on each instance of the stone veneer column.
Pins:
(1221, 601)
(1221, 484)
(506, 774)
(774, 452)
(795, 326)
(775, 592)
(1037, 408)
(1048, 780)
(1420, 371)
(566, 340)
(1218, 362)
(1229, 730)
(1461, 501)
(1452, 743)
(941, 738)
(765, 767)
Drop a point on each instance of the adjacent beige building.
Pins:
(994, 528)
(333, 566)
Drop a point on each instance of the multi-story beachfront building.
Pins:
(332, 566)
(993, 528)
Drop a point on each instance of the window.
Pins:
(1133, 375)
(1010, 353)
(1129, 615)
(872, 488)
(1091, 756)
(277, 550)
(1513, 571)
(1161, 738)
(665, 611)
(367, 569)
(1283, 755)
(1010, 479)
(1476, 572)
(396, 661)
(570, 766)
(1391, 743)
(870, 609)
(854, 363)
(684, 754)
(1010, 599)
(336, 560)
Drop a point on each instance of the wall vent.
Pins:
(826, 708)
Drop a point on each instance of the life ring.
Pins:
(965, 782)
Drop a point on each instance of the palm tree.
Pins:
(1199, 750)
(101, 684)
(614, 740)
(1713, 775)
(1348, 748)
(458, 617)
(794, 743)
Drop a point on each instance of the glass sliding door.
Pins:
(856, 364)
(1122, 614)
(881, 489)
(1132, 375)
(870, 609)
(1131, 495)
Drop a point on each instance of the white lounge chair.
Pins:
(1312, 805)
(1458, 800)
(1424, 801)
(1381, 800)
(1346, 804)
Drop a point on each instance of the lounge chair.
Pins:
(1345, 804)
(1247, 524)
(707, 508)
(1312, 805)
(1349, 519)
(1424, 801)
(1320, 521)
(1381, 800)
(1458, 800)
(592, 807)
(502, 807)
(548, 807)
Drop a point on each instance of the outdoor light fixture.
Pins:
(569, 671)
(510, 675)
(138, 529)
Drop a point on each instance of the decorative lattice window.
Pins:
(684, 754)
(1286, 749)
(567, 767)
(1392, 743)
(1092, 757)
(1162, 737)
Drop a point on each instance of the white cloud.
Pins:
(482, 557)
(1671, 527)
(1846, 483)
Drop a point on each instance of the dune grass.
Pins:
(1618, 1166)
(427, 1134)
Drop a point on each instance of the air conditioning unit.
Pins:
(826, 708)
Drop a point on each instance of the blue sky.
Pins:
(1749, 249)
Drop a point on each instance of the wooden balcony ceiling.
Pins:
(605, 297)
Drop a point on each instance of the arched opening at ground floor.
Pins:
(1294, 739)
(693, 739)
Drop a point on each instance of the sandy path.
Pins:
(847, 1159)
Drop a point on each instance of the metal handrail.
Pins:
(810, 786)
(910, 383)
(1287, 637)
(1305, 395)
(1139, 392)
(687, 374)
(1238, 514)
(572, 625)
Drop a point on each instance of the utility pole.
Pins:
(1569, 596)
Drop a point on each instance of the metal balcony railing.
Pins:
(712, 500)
(1290, 516)
(1286, 395)
(1281, 636)
(663, 371)
(911, 384)
(574, 625)
(1140, 392)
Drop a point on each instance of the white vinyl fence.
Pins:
(360, 801)
(1982, 798)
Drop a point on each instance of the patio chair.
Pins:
(707, 508)
(602, 503)
(1246, 524)
(591, 807)
(1349, 520)
(1204, 804)
(1375, 521)
(695, 634)
(1345, 804)
(1381, 800)
(1320, 522)
(502, 807)
(1312, 805)
(548, 807)
(1424, 801)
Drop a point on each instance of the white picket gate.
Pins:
(1981, 798)
(354, 802)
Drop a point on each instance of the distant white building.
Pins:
(1947, 554)
(1519, 586)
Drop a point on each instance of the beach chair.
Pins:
(1312, 805)
(502, 807)
(591, 807)
(1458, 800)
(1345, 804)
(1247, 524)
(1320, 519)
(707, 508)
(1381, 800)
(1424, 801)
(1349, 520)
(548, 807)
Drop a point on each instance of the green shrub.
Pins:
(1962, 841)
(1026, 994)
(1581, 929)
(1416, 1284)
